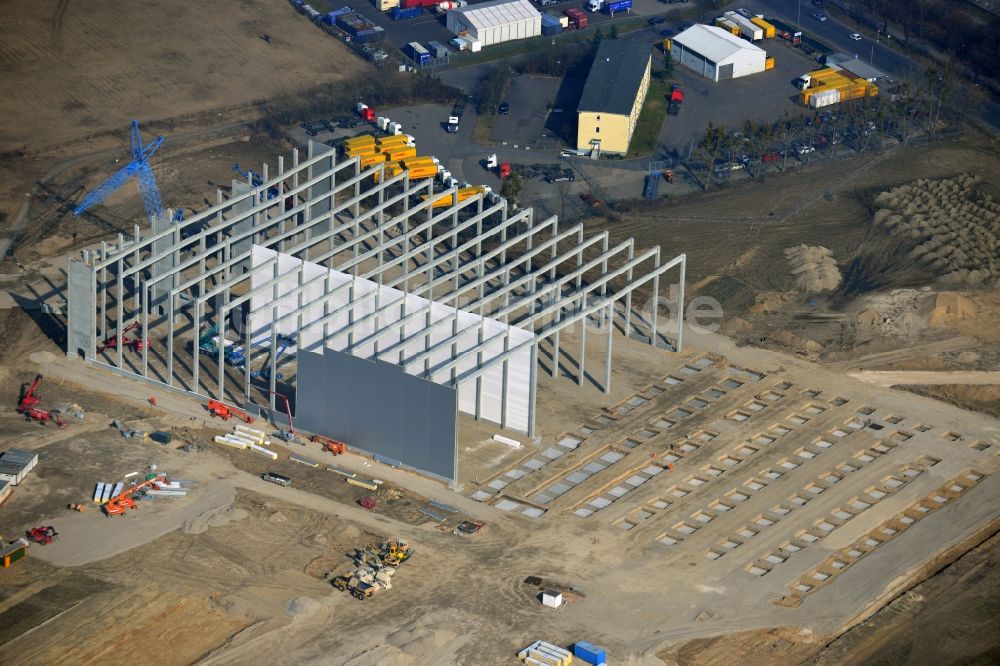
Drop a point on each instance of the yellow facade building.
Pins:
(613, 96)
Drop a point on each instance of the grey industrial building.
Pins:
(401, 314)
(716, 54)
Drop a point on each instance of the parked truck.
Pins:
(417, 52)
(456, 115)
(609, 6)
(676, 99)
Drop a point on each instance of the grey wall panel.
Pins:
(378, 408)
(81, 309)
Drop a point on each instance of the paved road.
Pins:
(876, 53)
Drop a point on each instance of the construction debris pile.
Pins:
(956, 227)
(375, 567)
(14, 466)
(814, 268)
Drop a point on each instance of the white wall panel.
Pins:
(309, 308)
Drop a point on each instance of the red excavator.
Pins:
(28, 405)
(136, 344)
(43, 535)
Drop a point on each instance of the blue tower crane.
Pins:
(138, 167)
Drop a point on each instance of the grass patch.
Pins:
(654, 110)
(483, 129)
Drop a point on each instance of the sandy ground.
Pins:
(76, 69)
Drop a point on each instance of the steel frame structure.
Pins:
(475, 256)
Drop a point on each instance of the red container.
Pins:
(577, 19)
(419, 3)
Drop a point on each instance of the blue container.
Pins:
(551, 25)
(403, 13)
(589, 652)
(616, 6)
(371, 35)
(419, 54)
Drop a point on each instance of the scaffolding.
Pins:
(474, 256)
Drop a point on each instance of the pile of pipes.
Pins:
(160, 487)
(244, 437)
(128, 432)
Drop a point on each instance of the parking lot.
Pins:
(761, 97)
(431, 27)
(542, 112)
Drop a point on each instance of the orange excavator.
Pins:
(117, 505)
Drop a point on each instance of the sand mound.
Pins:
(814, 268)
(219, 517)
(950, 308)
(41, 357)
(302, 605)
(954, 227)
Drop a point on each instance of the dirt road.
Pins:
(914, 377)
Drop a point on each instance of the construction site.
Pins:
(272, 399)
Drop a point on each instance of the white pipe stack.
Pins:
(228, 440)
(264, 452)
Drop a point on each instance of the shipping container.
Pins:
(437, 49)
(459, 44)
(417, 52)
(360, 140)
(385, 142)
(463, 194)
(769, 29)
(390, 170)
(616, 6)
(400, 153)
(331, 17)
(589, 653)
(551, 25)
(728, 25)
(577, 19)
(371, 160)
(748, 30)
(386, 5)
(403, 13)
(6, 487)
(420, 3)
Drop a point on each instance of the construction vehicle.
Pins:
(375, 567)
(284, 342)
(329, 445)
(676, 99)
(216, 409)
(208, 343)
(42, 535)
(285, 435)
(456, 115)
(394, 552)
(136, 344)
(117, 505)
(28, 405)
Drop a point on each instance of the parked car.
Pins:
(771, 157)
(817, 3)
(546, 3)
(666, 32)
(504, 109)
(855, 36)
(805, 149)
(819, 16)
(657, 20)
